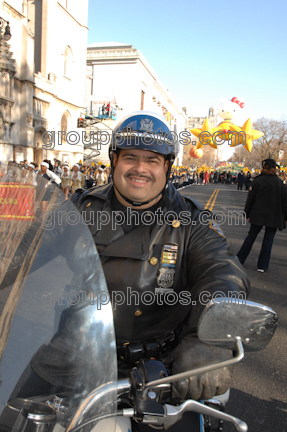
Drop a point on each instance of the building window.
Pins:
(68, 60)
(19, 154)
(65, 125)
(142, 100)
(5, 84)
(38, 106)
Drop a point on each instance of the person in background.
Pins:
(89, 178)
(108, 171)
(32, 169)
(30, 175)
(101, 176)
(57, 169)
(66, 181)
(240, 180)
(266, 206)
(247, 181)
(78, 179)
(46, 173)
(229, 177)
(201, 176)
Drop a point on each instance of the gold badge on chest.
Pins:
(168, 260)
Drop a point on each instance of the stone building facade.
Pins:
(210, 155)
(120, 74)
(42, 82)
(197, 122)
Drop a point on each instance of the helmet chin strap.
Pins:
(137, 203)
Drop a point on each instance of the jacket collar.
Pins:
(173, 201)
(119, 244)
(104, 192)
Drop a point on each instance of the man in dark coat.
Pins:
(240, 180)
(247, 181)
(266, 205)
(201, 175)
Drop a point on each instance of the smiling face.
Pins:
(139, 175)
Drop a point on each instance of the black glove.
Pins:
(191, 354)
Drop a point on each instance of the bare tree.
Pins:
(274, 138)
(268, 146)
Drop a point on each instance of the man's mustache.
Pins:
(135, 174)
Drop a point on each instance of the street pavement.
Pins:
(258, 394)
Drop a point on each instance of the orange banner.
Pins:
(17, 201)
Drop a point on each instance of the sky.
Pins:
(202, 51)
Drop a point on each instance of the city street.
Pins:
(258, 395)
(97, 271)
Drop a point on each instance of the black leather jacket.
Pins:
(132, 262)
(266, 204)
(161, 300)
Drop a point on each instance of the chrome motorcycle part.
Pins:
(239, 354)
(222, 322)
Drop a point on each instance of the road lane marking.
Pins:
(208, 202)
(214, 199)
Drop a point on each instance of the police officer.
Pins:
(162, 256)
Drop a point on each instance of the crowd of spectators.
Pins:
(90, 175)
(69, 178)
(184, 177)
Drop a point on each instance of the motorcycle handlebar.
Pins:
(239, 354)
(120, 386)
(172, 413)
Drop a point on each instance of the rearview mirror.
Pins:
(222, 322)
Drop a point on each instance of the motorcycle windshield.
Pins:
(57, 336)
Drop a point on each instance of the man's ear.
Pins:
(115, 159)
(166, 165)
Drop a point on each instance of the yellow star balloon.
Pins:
(248, 136)
(236, 139)
(224, 128)
(207, 137)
